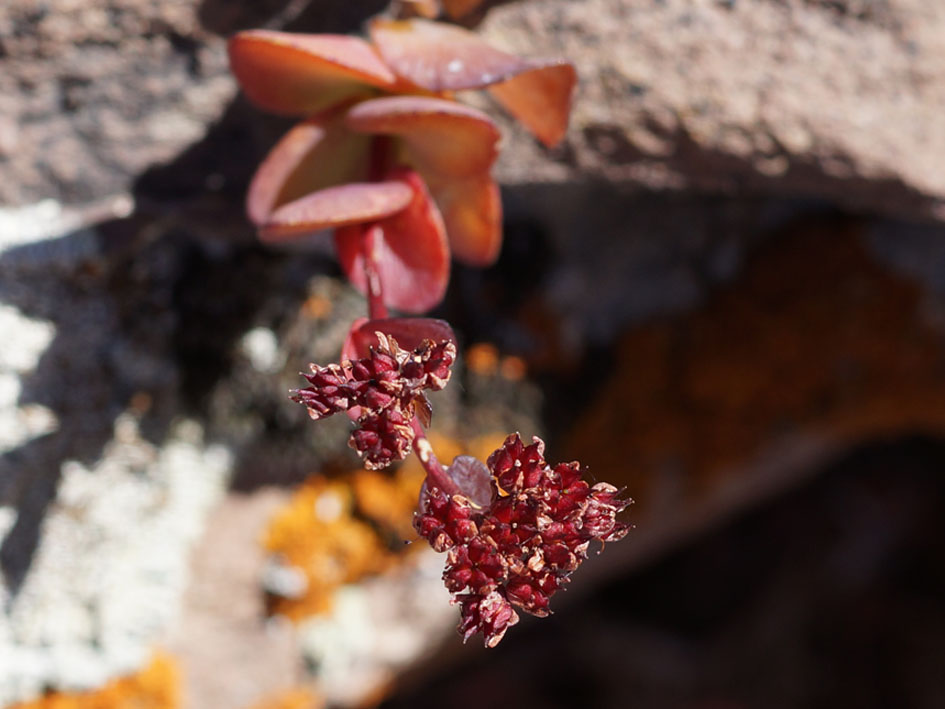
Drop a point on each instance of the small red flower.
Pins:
(384, 391)
(520, 546)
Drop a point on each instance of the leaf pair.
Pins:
(439, 57)
(302, 74)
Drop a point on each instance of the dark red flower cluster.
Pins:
(523, 546)
(383, 391)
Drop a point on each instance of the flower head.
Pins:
(383, 392)
(522, 546)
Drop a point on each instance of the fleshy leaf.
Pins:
(540, 99)
(412, 254)
(441, 57)
(358, 343)
(297, 74)
(409, 333)
(334, 207)
(474, 480)
(472, 212)
(439, 135)
(313, 155)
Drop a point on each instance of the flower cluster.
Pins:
(383, 391)
(521, 546)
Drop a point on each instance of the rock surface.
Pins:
(816, 348)
(95, 519)
(259, 657)
(92, 93)
(106, 475)
(144, 337)
(109, 571)
(836, 101)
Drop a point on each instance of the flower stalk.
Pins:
(377, 310)
(436, 473)
(371, 239)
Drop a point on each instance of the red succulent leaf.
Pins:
(412, 254)
(297, 74)
(453, 146)
(439, 135)
(440, 57)
(334, 207)
(540, 98)
(472, 212)
(473, 479)
(313, 155)
(408, 332)
(358, 343)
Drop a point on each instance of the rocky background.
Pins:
(725, 290)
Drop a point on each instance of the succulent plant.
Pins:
(385, 147)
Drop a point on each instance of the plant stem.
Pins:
(377, 309)
(370, 242)
(436, 475)
(382, 155)
(373, 234)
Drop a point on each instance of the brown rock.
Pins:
(96, 92)
(816, 348)
(222, 621)
(836, 101)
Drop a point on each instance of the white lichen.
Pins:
(112, 562)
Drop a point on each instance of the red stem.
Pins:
(381, 153)
(436, 475)
(371, 238)
(377, 309)
(373, 234)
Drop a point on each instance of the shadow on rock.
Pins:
(146, 311)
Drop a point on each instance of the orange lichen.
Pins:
(387, 500)
(815, 342)
(157, 686)
(482, 358)
(317, 307)
(318, 535)
(298, 698)
(513, 368)
(336, 532)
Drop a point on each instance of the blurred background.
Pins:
(724, 291)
